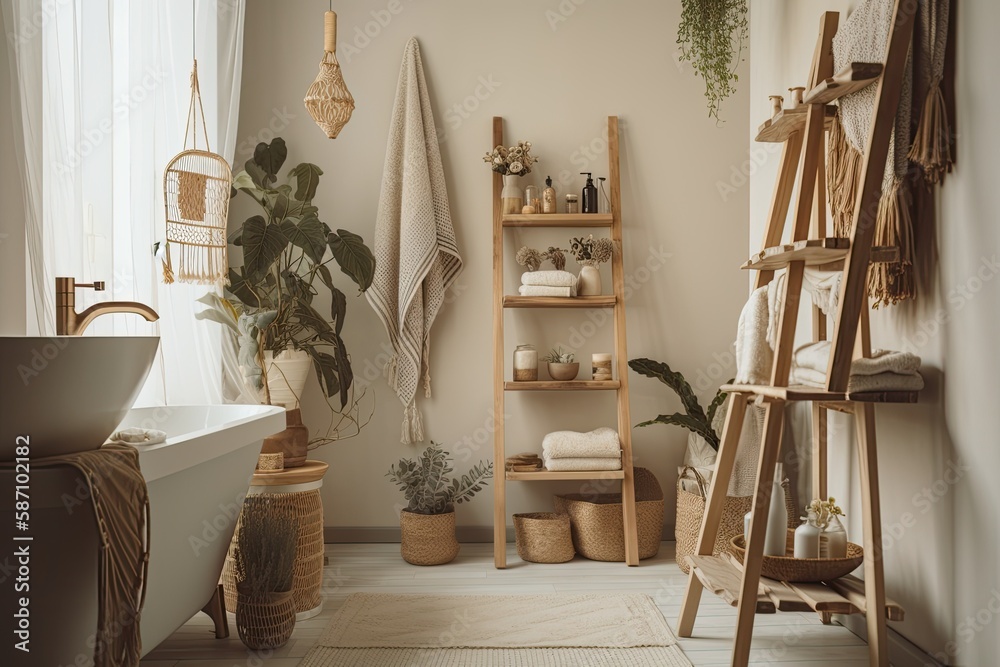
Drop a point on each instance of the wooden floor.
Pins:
(785, 639)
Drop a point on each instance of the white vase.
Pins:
(833, 540)
(511, 197)
(807, 538)
(588, 283)
(287, 373)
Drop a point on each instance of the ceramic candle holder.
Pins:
(601, 366)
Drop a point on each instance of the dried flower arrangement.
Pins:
(824, 509)
(529, 258)
(515, 160)
(591, 252)
(556, 256)
(265, 548)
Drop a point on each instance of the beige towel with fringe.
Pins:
(416, 253)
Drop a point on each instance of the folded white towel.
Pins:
(138, 436)
(549, 278)
(754, 357)
(856, 384)
(822, 286)
(570, 444)
(544, 290)
(594, 463)
(816, 356)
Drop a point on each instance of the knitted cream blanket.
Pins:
(416, 254)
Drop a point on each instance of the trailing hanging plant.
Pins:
(695, 418)
(711, 36)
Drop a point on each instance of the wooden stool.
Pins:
(294, 490)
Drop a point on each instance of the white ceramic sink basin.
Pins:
(68, 393)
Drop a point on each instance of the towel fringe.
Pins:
(413, 425)
(427, 366)
(931, 147)
(391, 371)
(890, 283)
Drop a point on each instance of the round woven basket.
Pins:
(427, 539)
(265, 621)
(596, 520)
(803, 570)
(307, 575)
(543, 537)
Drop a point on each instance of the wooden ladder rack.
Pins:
(802, 131)
(615, 301)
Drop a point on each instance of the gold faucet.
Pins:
(71, 323)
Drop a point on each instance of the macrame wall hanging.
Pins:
(862, 38)
(196, 189)
(328, 100)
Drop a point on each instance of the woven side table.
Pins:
(296, 491)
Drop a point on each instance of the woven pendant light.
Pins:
(328, 100)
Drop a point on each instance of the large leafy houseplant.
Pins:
(694, 418)
(287, 252)
(427, 487)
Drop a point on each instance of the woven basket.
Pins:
(802, 570)
(427, 539)
(691, 511)
(596, 520)
(307, 577)
(265, 621)
(543, 537)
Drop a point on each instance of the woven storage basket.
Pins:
(543, 537)
(307, 581)
(596, 520)
(786, 568)
(691, 511)
(265, 621)
(427, 539)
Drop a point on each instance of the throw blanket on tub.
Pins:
(117, 492)
(416, 254)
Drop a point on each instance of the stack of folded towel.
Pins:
(526, 462)
(547, 283)
(885, 370)
(595, 450)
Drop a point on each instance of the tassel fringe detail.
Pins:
(931, 147)
(413, 425)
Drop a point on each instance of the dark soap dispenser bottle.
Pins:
(589, 197)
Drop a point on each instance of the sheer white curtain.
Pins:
(104, 88)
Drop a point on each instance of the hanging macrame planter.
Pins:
(328, 100)
(196, 188)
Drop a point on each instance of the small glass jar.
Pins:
(525, 363)
(530, 195)
(601, 366)
(572, 203)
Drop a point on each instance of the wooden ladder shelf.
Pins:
(802, 131)
(615, 301)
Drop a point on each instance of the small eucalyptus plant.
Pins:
(427, 487)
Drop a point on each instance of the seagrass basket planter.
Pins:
(544, 537)
(265, 620)
(427, 539)
(596, 520)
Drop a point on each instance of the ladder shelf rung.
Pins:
(847, 81)
(777, 129)
(811, 251)
(806, 393)
(568, 475)
(608, 301)
(543, 220)
(563, 385)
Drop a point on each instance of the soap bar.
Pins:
(527, 209)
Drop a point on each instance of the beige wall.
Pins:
(555, 86)
(938, 459)
(13, 315)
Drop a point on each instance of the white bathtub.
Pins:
(197, 480)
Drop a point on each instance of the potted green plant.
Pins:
(287, 252)
(427, 523)
(561, 365)
(264, 564)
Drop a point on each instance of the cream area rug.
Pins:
(382, 630)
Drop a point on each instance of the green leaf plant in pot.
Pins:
(427, 523)
(270, 305)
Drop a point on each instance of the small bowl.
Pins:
(563, 372)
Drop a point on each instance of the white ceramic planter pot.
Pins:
(287, 373)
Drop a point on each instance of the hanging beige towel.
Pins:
(416, 254)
